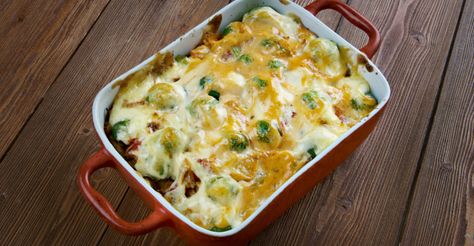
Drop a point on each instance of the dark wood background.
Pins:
(411, 183)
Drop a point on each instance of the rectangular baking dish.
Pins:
(163, 213)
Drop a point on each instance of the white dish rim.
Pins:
(99, 107)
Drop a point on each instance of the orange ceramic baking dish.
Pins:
(163, 214)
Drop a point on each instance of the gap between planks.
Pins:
(429, 129)
(423, 151)
(12, 143)
(65, 65)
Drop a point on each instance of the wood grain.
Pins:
(39, 200)
(363, 202)
(37, 38)
(442, 208)
(133, 209)
(366, 201)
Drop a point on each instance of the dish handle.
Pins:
(102, 159)
(354, 17)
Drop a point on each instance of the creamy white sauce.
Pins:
(220, 137)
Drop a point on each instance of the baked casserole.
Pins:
(216, 132)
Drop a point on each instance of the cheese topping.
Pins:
(219, 131)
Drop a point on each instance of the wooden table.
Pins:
(412, 182)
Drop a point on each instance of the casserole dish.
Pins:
(163, 213)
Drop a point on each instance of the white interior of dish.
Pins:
(186, 43)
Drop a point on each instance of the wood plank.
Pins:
(442, 208)
(37, 38)
(363, 202)
(39, 200)
(133, 209)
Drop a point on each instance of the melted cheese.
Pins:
(232, 122)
